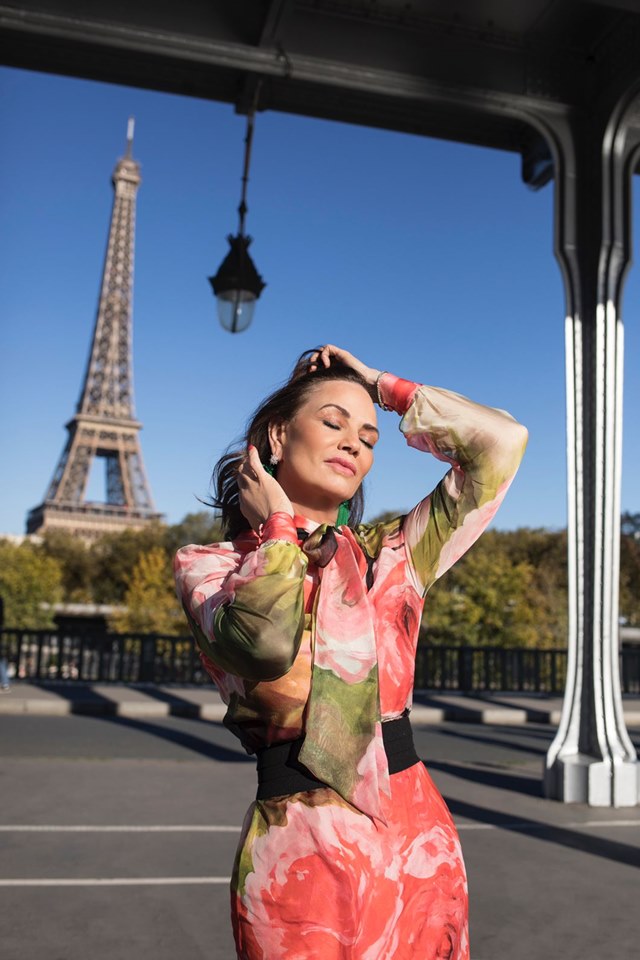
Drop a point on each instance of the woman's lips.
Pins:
(347, 469)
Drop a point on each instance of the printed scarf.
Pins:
(343, 743)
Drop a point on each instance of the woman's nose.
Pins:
(350, 443)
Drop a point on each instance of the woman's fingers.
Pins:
(324, 354)
(253, 459)
(260, 494)
(246, 471)
(251, 467)
(329, 352)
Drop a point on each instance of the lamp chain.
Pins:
(248, 142)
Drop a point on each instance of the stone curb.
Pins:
(135, 704)
(18, 706)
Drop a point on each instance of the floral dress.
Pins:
(315, 637)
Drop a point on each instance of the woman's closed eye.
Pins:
(336, 426)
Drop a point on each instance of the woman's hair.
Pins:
(281, 406)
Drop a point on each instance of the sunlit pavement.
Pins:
(203, 702)
(118, 833)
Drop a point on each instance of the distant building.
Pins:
(104, 425)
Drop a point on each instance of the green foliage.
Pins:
(134, 565)
(115, 556)
(630, 524)
(201, 527)
(28, 579)
(511, 587)
(509, 590)
(77, 563)
(630, 580)
(151, 604)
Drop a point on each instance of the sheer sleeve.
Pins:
(246, 612)
(484, 447)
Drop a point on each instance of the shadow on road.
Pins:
(494, 741)
(548, 833)
(530, 786)
(80, 694)
(182, 738)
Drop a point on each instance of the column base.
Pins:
(600, 783)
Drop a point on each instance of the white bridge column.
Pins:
(592, 759)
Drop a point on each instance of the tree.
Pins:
(28, 579)
(77, 563)
(495, 595)
(630, 524)
(201, 527)
(115, 556)
(509, 589)
(630, 580)
(152, 606)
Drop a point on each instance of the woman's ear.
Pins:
(277, 437)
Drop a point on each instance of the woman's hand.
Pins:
(260, 493)
(324, 356)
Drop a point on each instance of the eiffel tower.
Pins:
(104, 424)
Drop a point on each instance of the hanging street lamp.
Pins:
(237, 284)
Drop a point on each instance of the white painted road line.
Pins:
(610, 823)
(115, 882)
(214, 828)
(526, 825)
(217, 828)
(63, 828)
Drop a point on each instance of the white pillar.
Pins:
(592, 759)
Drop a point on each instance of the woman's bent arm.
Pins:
(247, 619)
(484, 446)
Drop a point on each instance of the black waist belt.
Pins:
(280, 773)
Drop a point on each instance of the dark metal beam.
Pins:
(274, 17)
(213, 68)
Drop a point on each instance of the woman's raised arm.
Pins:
(484, 446)
(247, 615)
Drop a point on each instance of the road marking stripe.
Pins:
(525, 825)
(64, 828)
(114, 881)
(218, 828)
(610, 823)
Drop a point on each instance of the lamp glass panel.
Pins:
(235, 309)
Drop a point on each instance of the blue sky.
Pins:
(427, 258)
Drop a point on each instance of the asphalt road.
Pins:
(117, 837)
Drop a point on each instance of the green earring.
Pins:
(343, 514)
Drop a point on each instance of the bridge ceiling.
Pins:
(467, 70)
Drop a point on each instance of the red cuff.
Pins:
(396, 392)
(279, 526)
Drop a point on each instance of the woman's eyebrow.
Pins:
(365, 426)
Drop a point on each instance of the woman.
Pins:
(309, 631)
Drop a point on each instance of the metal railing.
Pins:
(470, 669)
(101, 658)
(154, 658)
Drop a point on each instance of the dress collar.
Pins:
(304, 523)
